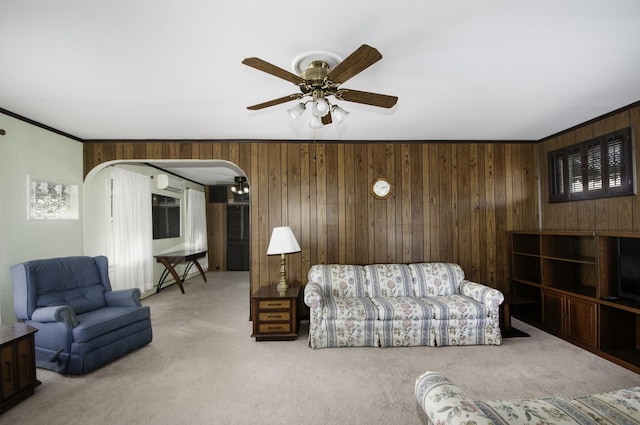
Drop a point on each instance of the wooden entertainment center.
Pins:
(572, 280)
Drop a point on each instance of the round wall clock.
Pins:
(381, 188)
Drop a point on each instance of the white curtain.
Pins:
(132, 230)
(196, 223)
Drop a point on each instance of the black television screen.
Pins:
(165, 212)
(629, 268)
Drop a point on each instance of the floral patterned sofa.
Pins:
(445, 403)
(386, 305)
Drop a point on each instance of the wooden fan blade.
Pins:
(327, 119)
(373, 99)
(274, 102)
(362, 58)
(264, 66)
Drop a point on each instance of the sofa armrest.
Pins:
(59, 313)
(123, 298)
(484, 294)
(313, 298)
(446, 403)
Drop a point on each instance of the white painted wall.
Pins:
(29, 150)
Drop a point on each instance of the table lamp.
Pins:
(282, 242)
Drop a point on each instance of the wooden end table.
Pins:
(505, 316)
(18, 371)
(275, 314)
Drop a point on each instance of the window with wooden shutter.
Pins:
(598, 168)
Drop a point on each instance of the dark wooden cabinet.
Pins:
(569, 277)
(274, 313)
(18, 367)
(570, 317)
(553, 312)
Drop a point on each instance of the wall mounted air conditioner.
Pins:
(162, 182)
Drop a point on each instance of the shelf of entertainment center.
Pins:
(568, 275)
(622, 304)
(620, 333)
(577, 260)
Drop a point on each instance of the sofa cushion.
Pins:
(73, 281)
(446, 403)
(116, 337)
(388, 280)
(108, 319)
(456, 307)
(349, 308)
(81, 300)
(339, 280)
(433, 279)
(402, 308)
(533, 412)
(57, 274)
(615, 407)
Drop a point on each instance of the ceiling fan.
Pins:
(320, 80)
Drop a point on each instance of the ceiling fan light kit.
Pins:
(320, 74)
(240, 186)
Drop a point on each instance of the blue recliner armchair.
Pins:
(82, 324)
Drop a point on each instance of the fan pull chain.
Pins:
(314, 144)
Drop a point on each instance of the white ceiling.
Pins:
(463, 70)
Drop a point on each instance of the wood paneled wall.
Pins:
(450, 202)
(611, 214)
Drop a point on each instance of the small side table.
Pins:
(18, 371)
(275, 314)
(505, 316)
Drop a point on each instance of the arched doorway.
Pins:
(201, 174)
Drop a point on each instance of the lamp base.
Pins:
(283, 286)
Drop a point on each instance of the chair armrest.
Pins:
(484, 294)
(59, 313)
(446, 403)
(123, 298)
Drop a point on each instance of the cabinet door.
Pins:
(8, 371)
(581, 321)
(553, 312)
(25, 363)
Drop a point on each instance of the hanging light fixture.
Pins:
(320, 107)
(240, 186)
(319, 74)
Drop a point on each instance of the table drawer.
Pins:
(274, 316)
(274, 328)
(274, 304)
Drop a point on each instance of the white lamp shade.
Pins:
(282, 241)
(316, 122)
(296, 111)
(320, 107)
(339, 114)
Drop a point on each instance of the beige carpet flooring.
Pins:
(204, 368)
